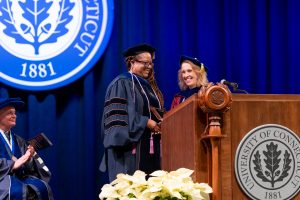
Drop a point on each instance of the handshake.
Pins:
(157, 116)
(154, 126)
(157, 128)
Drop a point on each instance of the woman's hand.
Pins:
(153, 126)
(31, 150)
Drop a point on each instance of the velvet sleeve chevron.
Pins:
(122, 124)
(115, 113)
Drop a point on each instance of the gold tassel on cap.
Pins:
(202, 68)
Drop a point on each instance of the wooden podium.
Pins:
(206, 140)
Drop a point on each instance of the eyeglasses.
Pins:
(146, 64)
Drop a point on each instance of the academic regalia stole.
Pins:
(149, 145)
(189, 92)
(5, 151)
(16, 188)
(39, 186)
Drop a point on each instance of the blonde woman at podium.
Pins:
(191, 76)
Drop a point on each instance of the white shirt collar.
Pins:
(9, 142)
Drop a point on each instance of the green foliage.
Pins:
(130, 195)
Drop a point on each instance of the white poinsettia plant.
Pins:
(160, 186)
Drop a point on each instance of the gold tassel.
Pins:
(202, 68)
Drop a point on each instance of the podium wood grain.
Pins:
(183, 126)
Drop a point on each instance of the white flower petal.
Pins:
(158, 173)
(108, 191)
(204, 187)
(182, 172)
(160, 184)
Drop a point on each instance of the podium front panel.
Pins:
(183, 126)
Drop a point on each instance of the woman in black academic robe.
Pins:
(131, 135)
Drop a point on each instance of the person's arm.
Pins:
(34, 165)
(23, 159)
(122, 123)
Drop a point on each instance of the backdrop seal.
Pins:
(47, 44)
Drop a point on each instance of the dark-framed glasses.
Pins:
(145, 63)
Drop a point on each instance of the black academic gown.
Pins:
(183, 95)
(32, 177)
(127, 140)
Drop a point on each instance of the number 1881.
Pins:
(273, 195)
(41, 70)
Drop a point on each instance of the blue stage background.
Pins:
(255, 43)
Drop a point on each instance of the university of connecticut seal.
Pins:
(45, 44)
(267, 163)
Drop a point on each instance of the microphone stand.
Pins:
(235, 89)
(234, 86)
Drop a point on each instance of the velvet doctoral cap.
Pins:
(15, 102)
(193, 60)
(141, 48)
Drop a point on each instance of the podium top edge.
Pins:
(266, 97)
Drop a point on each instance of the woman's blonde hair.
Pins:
(200, 72)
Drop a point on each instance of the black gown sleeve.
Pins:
(35, 166)
(123, 122)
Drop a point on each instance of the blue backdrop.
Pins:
(255, 43)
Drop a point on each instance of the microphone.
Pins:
(232, 84)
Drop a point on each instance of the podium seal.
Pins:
(267, 163)
(47, 44)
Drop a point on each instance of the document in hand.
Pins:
(40, 142)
